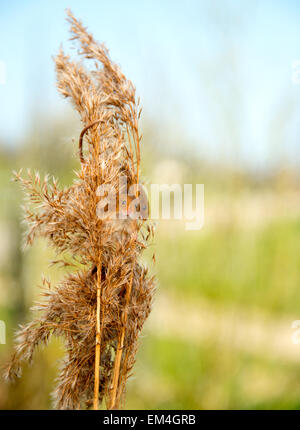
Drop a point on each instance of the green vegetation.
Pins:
(220, 332)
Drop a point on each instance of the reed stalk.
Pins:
(100, 305)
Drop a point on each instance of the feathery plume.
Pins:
(100, 307)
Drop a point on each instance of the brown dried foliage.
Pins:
(99, 308)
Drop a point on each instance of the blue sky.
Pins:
(216, 72)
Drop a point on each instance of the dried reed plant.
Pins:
(100, 306)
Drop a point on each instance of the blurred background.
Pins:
(220, 91)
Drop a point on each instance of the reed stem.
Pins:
(98, 339)
(117, 363)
